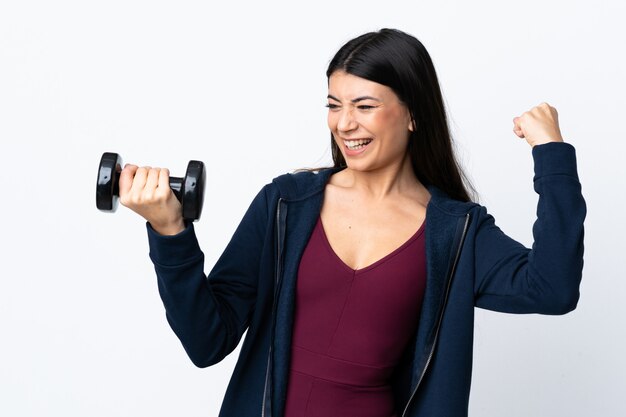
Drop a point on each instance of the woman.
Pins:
(357, 284)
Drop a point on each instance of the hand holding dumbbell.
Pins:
(162, 200)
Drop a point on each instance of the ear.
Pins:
(411, 125)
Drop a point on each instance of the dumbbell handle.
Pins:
(176, 184)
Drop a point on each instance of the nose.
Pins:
(346, 121)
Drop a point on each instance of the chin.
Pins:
(361, 166)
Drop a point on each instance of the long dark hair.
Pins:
(399, 61)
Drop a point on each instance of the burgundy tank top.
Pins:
(351, 327)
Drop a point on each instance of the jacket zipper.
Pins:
(277, 278)
(432, 349)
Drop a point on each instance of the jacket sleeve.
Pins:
(210, 314)
(545, 279)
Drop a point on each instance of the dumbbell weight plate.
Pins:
(107, 188)
(192, 191)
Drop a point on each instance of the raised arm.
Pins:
(545, 278)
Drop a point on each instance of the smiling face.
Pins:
(368, 121)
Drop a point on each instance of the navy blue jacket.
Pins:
(470, 262)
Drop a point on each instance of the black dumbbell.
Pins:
(189, 190)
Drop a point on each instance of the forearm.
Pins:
(191, 309)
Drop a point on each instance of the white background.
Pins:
(241, 86)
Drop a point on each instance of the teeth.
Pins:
(356, 144)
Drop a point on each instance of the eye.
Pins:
(332, 106)
(366, 107)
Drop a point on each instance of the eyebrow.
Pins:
(356, 100)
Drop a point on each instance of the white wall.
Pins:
(242, 87)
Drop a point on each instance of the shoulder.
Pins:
(289, 186)
(301, 183)
(441, 201)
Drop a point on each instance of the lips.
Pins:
(355, 147)
(356, 144)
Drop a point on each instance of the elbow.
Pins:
(200, 362)
(204, 358)
(565, 308)
(559, 294)
(203, 351)
(567, 296)
(562, 303)
(203, 362)
(203, 347)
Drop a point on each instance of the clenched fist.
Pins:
(538, 125)
(147, 192)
